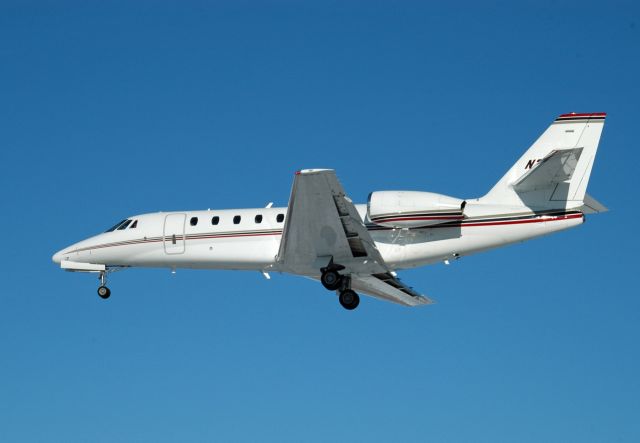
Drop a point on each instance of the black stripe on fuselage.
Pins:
(477, 221)
(488, 219)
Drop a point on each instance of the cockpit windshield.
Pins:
(127, 223)
(124, 225)
(114, 227)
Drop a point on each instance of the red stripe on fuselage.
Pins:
(433, 217)
(517, 222)
(249, 234)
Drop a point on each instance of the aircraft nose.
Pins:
(57, 257)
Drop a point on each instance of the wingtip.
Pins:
(311, 171)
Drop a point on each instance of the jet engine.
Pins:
(413, 209)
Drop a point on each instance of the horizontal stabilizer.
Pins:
(556, 167)
(592, 206)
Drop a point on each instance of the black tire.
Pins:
(349, 299)
(104, 292)
(331, 280)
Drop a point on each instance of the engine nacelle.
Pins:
(413, 209)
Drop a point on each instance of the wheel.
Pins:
(331, 280)
(349, 299)
(104, 292)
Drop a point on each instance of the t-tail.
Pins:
(554, 172)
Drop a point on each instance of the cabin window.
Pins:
(193, 221)
(280, 218)
(259, 218)
(124, 225)
(236, 219)
(215, 220)
(113, 228)
(134, 224)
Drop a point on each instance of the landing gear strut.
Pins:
(103, 291)
(349, 299)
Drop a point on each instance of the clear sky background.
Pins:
(109, 109)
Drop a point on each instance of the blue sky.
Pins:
(109, 109)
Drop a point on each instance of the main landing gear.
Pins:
(349, 299)
(333, 281)
(103, 291)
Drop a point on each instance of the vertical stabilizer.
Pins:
(555, 170)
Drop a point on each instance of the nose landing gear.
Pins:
(103, 291)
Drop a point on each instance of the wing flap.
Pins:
(389, 288)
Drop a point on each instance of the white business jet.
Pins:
(323, 235)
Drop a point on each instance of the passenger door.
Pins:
(174, 241)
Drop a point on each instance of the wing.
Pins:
(387, 287)
(323, 225)
(556, 167)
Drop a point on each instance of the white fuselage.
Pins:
(322, 234)
(178, 240)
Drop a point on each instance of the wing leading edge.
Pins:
(323, 225)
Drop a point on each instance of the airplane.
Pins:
(358, 248)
